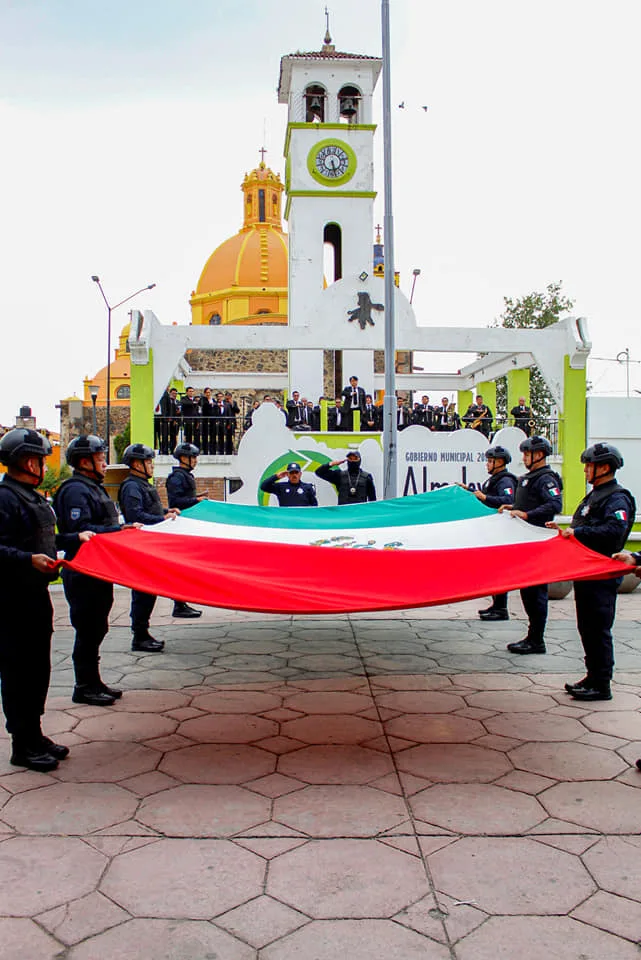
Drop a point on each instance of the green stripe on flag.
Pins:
(448, 503)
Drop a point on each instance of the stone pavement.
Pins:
(371, 787)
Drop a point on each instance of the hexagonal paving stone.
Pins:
(340, 811)
(510, 701)
(332, 729)
(39, 873)
(339, 763)
(347, 879)
(357, 940)
(203, 811)
(615, 863)
(567, 761)
(162, 940)
(335, 702)
(106, 762)
(218, 763)
(151, 701)
(237, 701)
(477, 808)
(69, 809)
(511, 876)
(541, 938)
(442, 728)
(262, 920)
(625, 724)
(604, 806)
(184, 878)
(493, 681)
(454, 762)
(160, 680)
(421, 701)
(20, 939)
(228, 728)
(535, 726)
(125, 726)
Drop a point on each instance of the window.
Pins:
(261, 206)
(349, 99)
(215, 320)
(258, 312)
(123, 392)
(332, 252)
(315, 97)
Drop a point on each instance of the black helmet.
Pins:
(603, 453)
(21, 442)
(186, 450)
(536, 445)
(137, 451)
(84, 446)
(498, 453)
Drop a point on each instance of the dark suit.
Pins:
(353, 399)
(334, 414)
(370, 415)
(167, 433)
(190, 411)
(223, 428)
(403, 418)
(522, 417)
(207, 432)
(294, 410)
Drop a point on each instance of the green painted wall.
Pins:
(572, 435)
(518, 385)
(487, 389)
(464, 399)
(142, 402)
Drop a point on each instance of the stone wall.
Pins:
(404, 361)
(71, 427)
(236, 361)
(214, 486)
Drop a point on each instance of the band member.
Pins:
(353, 485)
(498, 489)
(523, 418)
(371, 417)
(353, 399)
(602, 521)
(537, 500)
(445, 417)
(417, 414)
(478, 416)
(428, 412)
(403, 415)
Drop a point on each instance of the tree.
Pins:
(121, 441)
(536, 310)
(53, 478)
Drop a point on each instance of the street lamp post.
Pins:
(96, 280)
(93, 393)
(390, 435)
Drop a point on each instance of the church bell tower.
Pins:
(329, 178)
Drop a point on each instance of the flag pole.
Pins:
(389, 403)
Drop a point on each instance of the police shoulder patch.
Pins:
(74, 513)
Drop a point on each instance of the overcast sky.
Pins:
(128, 125)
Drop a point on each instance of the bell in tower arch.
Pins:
(348, 101)
(315, 104)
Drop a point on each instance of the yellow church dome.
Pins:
(245, 279)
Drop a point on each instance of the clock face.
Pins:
(332, 162)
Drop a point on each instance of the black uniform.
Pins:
(347, 481)
(140, 503)
(27, 526)
(538, 494)
(522, 419)
(500, 488)
(181, 488)
(290, 494)
(602, 522)
(82, 503)
(481, 415)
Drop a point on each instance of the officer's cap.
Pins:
(353, 455)
(293, 468)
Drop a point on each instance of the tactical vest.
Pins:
(527, 496)
(597, 496)
(347, 484)
(151, 499)
(106, 511)
(41, 536)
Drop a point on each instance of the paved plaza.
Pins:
(367, 787)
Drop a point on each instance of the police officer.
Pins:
(353, 485)
(498, 489)
(292, 493)
(82, 503)
(602, 521)
(537, 500)
(28, 546)
(140, 503)
(181, 494)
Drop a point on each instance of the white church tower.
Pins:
(329, 178)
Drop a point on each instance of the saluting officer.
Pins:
(602, 521)
(292, 493)
(140, 503)
(82, 503)
(28, 550)
(353, 485)
(498, 489)
(537, 500)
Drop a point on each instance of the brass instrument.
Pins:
(449, 413)
(475, 424)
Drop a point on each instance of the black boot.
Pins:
(579, 685)
(596, 691)
(494, 613)
(527, 646)
(185, 612)
(33, 755)
(57, 750)
(92, 694)
(113, 692)
(144, 642)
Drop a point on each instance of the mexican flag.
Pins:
(437, 547)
